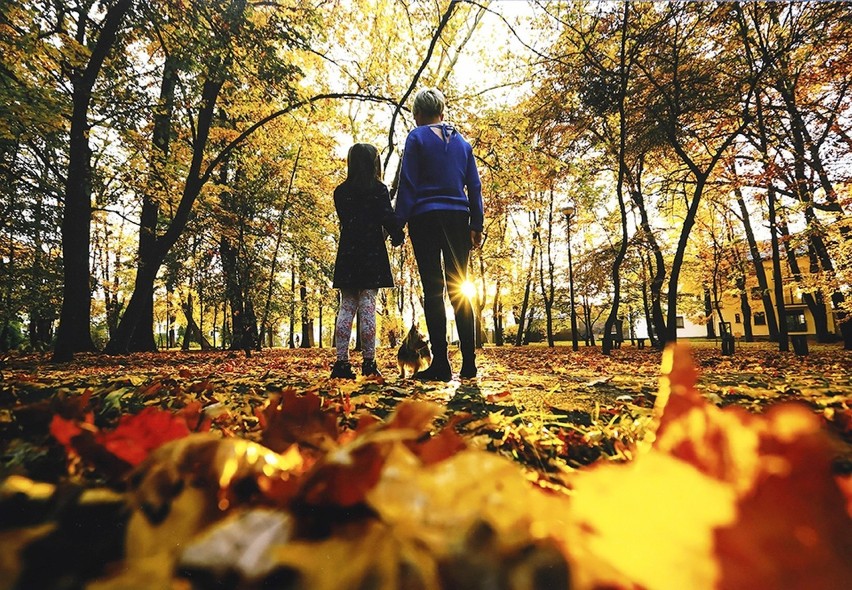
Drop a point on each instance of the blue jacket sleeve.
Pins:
(405, 195)
(474, 194)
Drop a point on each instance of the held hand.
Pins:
(397, 238)
(475, 239)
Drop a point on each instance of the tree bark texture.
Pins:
(74, 333)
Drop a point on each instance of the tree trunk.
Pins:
(479, 304)
(142, 339)
(497, 315)
(547, 293)
(745, 308)
(193, 332)
(319, 317)
(656, 323)
(279, 239)
(700, 177)
(677, 262)
(646, 312)
(817, 308)
(619, 185)
(251, 339)
(292, 338)
(783, 343)
(759, 271)
(147, 271)
(75, 318)
(519, 337)
(708, 312)
(307, 323)
(7, 266)
(41, 309)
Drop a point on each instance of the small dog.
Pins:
(414, 353)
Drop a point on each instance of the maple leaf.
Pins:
(81, 444)
(64, 431)
(721, 499)
(137, 435)
(117, 450)
(345, 475)
(293, 418)
(440, 501)
(443, 445)
(193, 414)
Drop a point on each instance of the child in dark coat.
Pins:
(361, 267)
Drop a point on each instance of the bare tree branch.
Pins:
(416, 79)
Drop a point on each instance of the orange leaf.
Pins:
(345, 476)
(501, 396)
(845, 485)
(792, 529)
(64, 430)
(413, 415)
(293, 418)
(723, 499)
(151, 389)
(443, 445)
(193, 414)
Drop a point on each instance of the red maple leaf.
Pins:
(64, 431)
(137, 435)
(127, 445)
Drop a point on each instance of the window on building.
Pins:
(796, 321)
(737, 319)
(759, 318)
(679, 321)
(756, 293)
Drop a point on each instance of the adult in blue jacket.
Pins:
(440, 197)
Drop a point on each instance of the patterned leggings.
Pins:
(363, 303)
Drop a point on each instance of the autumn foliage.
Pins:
(332, 497)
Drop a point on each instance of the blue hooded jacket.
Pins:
(437, 166)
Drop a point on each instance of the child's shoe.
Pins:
(342, 370)
(368, 367)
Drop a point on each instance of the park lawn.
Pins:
(531, 471)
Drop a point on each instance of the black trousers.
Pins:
(444, 236)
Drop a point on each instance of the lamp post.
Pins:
(569, 213)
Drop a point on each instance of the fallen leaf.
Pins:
(294, 418)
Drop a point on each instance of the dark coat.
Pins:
(362, 257)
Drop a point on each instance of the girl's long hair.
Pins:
(364, 167)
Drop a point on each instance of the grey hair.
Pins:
(429, 102)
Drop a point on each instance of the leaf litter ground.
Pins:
(552, 412)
